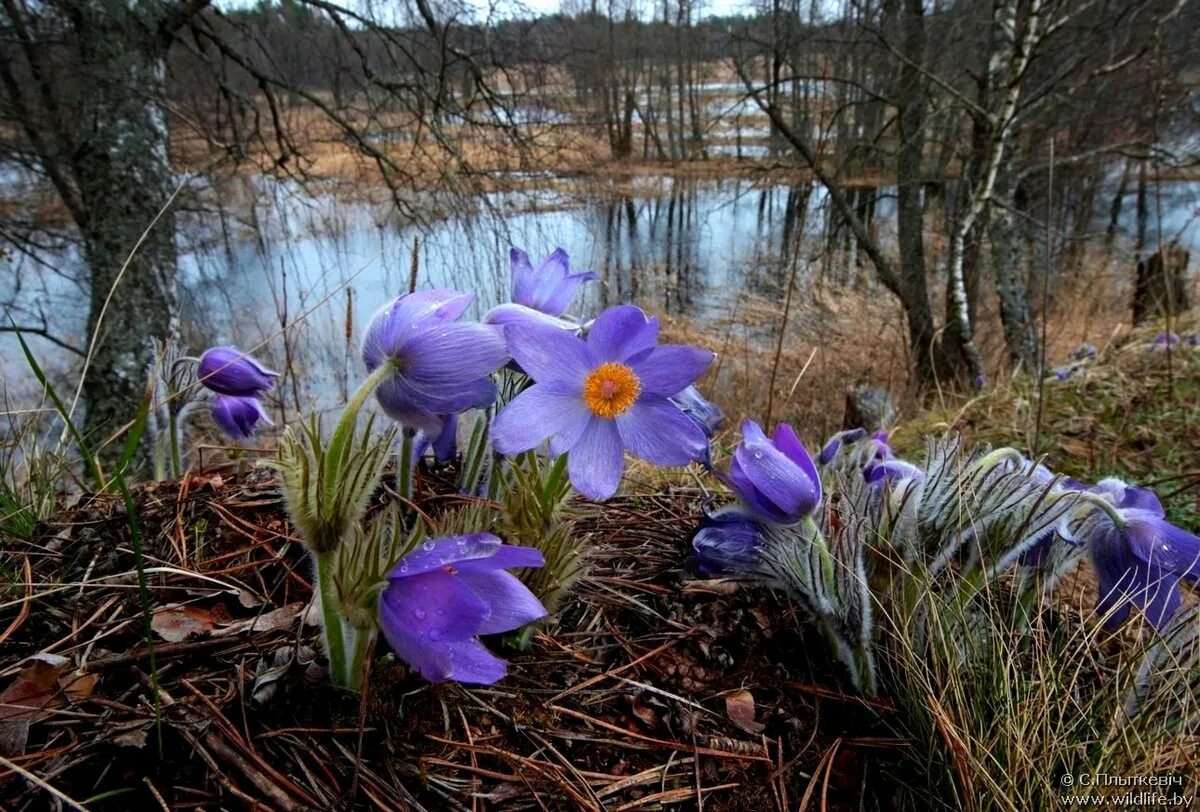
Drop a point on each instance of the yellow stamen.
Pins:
(610, 389)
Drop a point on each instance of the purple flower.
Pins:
(440, 598)
(445, 445)
(442, 367)
(708, 415)
(980, 381)
(1062, 373)
(1084, 352)
(727, 542)
(228, 371)
(1163, 342)
(892, 472)
(775, 477)
(597, 397)
(837, 441)
(1140, 559)
(551, 287)
(238, 416)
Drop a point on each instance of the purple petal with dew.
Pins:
(787, 485)
(407, 316)
(448, 551)
(534, 415)
(512, 604)
(668, 368)
(421, 613)
(507, 314)
(504, 557)
(229, 371)
(548, 353)
(655, 430)
(750, 495)
(596, 461)
(1158, 542)
(620, 332)
(786, 440)
(470, 662)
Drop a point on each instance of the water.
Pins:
(324, 267)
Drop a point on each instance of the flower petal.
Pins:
(451, 550)
(522, 275)
(741, 482)
(1157, 541)
(534, 415)
(597, 460)
(512, 604)
(655, 430)
(447, 355)
(506, 314)
(785, 440)
(669, 368)
(564, 292)
(229, 371)
(419, 615)
(620, 332)
(548, 353)
(409, 315)
(470, 661)
(727, 541)
(787, 485)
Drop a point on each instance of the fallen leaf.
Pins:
(739, 706)
(281, 618)
(33, 690)
(175, 623)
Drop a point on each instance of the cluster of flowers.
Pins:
(1045, 524)
(590, 391)
(1173, 341)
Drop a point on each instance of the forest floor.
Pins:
(652, 689)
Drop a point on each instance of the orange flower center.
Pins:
(610, 389)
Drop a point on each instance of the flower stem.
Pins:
(404, 466)
(331, 620)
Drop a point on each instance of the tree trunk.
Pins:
(1016, 315)
(124, 182)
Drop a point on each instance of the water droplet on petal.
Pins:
(427, 546)
(434, 634)
(758, 455)
(419, 614)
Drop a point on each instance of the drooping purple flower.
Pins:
(237, 416)
(442, 365)
(775, 478)
(837, 441)
(1140, 559)
(727, 542)
(440, 598)
(229, 371)
(594, 399)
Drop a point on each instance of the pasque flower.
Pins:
(442, 366)
(595, 398)
(727, 542)
(1140, 557)
(440, 598)
(238, 416)
(228, 371)
(542, 294)
(775, 477)
(837, 441)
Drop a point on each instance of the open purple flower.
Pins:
(775, 477)
(837, 441)
(596, 398)
(442, 366)
(1163, 342)
(228, 371)
(540, 295)
(440, 598)
(1140, 557)
(727, 542)
(238, 416)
